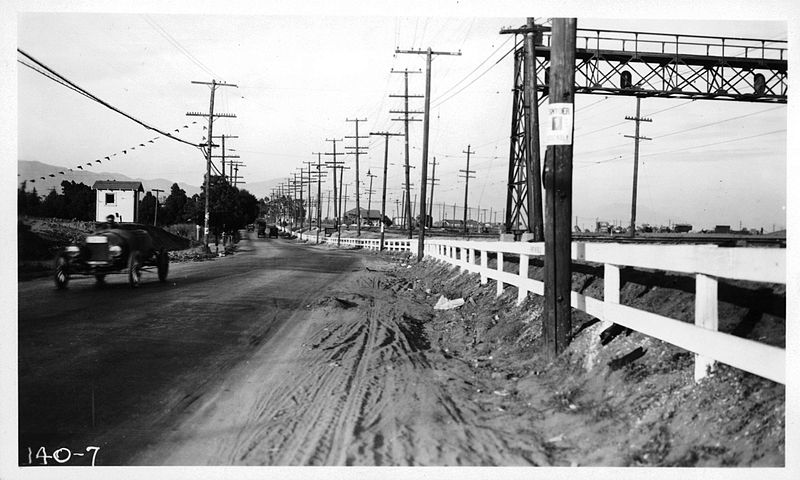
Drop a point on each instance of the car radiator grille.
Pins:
(98, 252)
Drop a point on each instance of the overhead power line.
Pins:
(175, 43)
(58, 78)
(452, 87)
(438, 103)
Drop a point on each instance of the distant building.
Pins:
(367, 216)
(120, 199)
(722, 229)
(447, 223)
(682, 227)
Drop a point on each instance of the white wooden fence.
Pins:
(706, 262)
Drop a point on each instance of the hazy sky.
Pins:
(300, 76)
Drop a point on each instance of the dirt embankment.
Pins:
(628, 401)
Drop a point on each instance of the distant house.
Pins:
(120, 199)
(370, 216)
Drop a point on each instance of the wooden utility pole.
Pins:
(386, 136)
(406, 112)
(357, 153)
(466, 177)
(335, 164)
(155, 218)
(369, 192)
(224, 152)
(531, 109)
(309, 192)
(319, 191)
(433, 180)
(636, 138)
(425, 135)
(557, 326)
(211, 115)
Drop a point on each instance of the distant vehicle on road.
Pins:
(116, 248)
(273, 231)
(262, 228)
(250, 227)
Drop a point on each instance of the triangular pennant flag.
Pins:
(141, 144)
(150, 141)
(113, 154)
(125, 152)
(32, 181)
(107, 158)
(186, 126)
(51, 175)
(194, 122)
(177, 130)
(133, 148)
(205, 128)
(80, 167)
(89, 163)
(42, 178)
(98, 161)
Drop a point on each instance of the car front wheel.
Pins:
(61, 276)
(163, 265)
(134, 269)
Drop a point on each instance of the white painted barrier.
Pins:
(706, 262)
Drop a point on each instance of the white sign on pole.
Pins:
(558, 128)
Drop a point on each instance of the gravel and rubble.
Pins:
(632, 401)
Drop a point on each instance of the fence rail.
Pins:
(707, 263)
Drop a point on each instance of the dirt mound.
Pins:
(615, 397)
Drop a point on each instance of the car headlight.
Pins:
(72, 250)
(115, 250)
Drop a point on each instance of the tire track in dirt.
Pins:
(356, 383)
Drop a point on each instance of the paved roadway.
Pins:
(112, 366)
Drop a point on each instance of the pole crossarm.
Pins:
(616, 62)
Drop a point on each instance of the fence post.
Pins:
(499, 269)
(706, 315)
(611, 285)
(471, 259)
(484, 266)
(522, 290)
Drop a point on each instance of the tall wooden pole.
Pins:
(386, 136)
(467, 176)
(426, 126)
(433, 184)
(636, 138)
(531, 107)
(557, 327)
(424, 174)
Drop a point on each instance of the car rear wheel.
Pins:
(163, 265)
(61, 276)
(134, 269)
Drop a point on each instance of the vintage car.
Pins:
(118, 248)
(273, 231)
